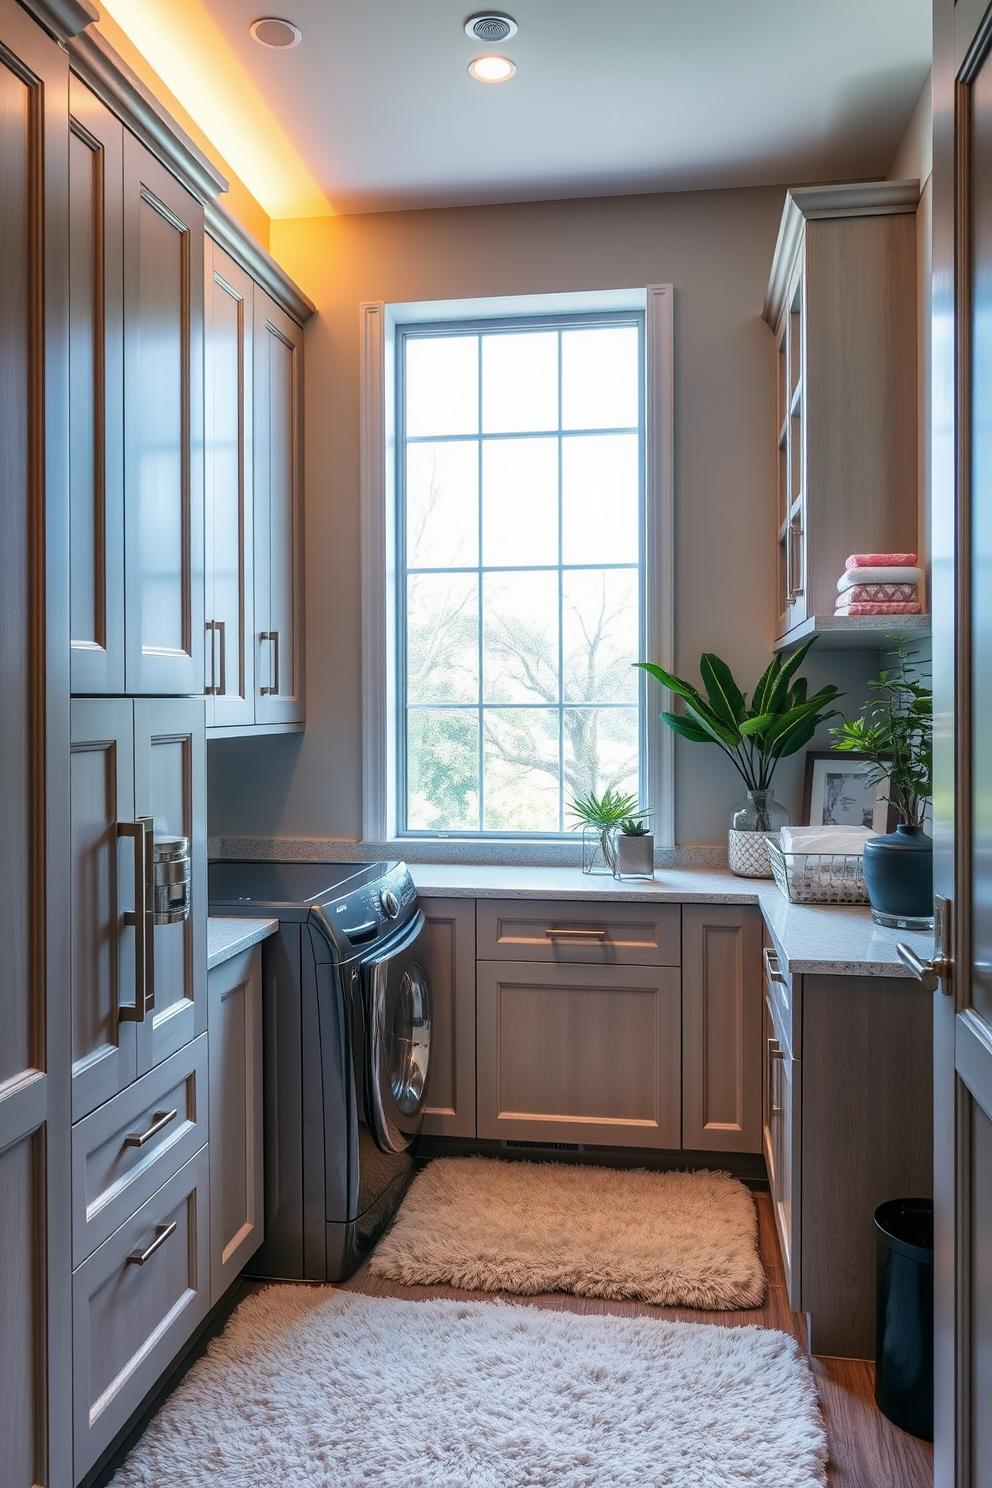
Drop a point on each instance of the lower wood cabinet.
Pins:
(450, 1110)
(234, 1014)
(578, 1053)
(721, 1027)
(135, 1301)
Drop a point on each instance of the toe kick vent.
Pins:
(547, 1146)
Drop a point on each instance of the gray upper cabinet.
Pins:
(136, 498)
(253, 505)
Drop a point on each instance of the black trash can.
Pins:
(904, 1314)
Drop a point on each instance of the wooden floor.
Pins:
(866, 1450)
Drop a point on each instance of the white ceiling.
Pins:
(619, 96)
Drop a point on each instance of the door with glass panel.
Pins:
(520, 564)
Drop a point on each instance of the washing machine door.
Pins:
(399, 1038)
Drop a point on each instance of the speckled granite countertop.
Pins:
(828, 940)
(227, 936)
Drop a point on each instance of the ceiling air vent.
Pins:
(272, 31)
(490, 27)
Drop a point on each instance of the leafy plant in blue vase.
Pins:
(896, 733)
(779, 720)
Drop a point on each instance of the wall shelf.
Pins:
(854, 632)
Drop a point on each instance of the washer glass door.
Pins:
(400, 1042)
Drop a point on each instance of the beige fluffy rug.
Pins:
(309, 1387)
(676, 1239)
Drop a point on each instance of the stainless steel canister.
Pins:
(170, 856)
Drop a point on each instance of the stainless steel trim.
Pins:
(160, 1120)
(162, 1233)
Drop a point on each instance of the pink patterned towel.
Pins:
(881, 560)
(880, 594)
(889, 575)
(877, 609)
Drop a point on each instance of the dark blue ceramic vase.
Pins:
(899, 878)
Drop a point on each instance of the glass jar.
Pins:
(597, 849)
(750, 821)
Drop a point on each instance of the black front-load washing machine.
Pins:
(346, 1034)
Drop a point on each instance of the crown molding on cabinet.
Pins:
(101, 68)
(62, 18)
(238, 242)
(814, 203)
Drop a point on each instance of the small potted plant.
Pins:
(600, 817)
(779, 719)
(634, 849)
(896, 733)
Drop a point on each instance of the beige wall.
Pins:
(716, 248)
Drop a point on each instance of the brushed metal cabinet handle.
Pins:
(273, 636)
(162, 1233)
(773, 1051)
(140, 831)
(160, 1120)
(772, 969)
(567, 932)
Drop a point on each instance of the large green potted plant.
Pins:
(779, 719)
(896, 733)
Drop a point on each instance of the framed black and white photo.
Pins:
(838, 792)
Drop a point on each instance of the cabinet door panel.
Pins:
(103, 979)
(721, 1028)
(228, 484)
(163, 469)
(35, 1380)
(236, 1197)
(450, 1110)
(96, 403)
(579, 1054)
(278, 378)
(169, 776)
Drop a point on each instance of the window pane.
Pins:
(520, 759)
(599, 500)
(442, 385)
(442, 645)
(600, 635)
(519, 502)
(600, 386)
(520, 638)
(601, 750)
(442, 766)
(442, 505)
(519, 382)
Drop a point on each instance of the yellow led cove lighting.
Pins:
(492, 69)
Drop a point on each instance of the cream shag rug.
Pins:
(676, 1239)
(309, 1387)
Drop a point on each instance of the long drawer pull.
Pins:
(773, 971)
(162, 1233)
(160, 1120)
(774, 1051)
(569, 932)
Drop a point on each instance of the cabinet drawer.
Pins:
(135, 1301)
(600, 934)
(579, 1054)
(126, 1149)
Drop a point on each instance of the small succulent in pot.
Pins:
(634, 827)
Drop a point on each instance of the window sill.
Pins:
(504, 852)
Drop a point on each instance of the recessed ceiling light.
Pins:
(490, 26)
(270, 31)
(492, 69)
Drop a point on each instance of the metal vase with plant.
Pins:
(633, 847)
(896, 733)
(780, 719)
(600, 817)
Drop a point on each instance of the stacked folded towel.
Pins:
(824, 839)
(879, 584)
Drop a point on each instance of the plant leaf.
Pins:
(707, 719)
(674, 684)
(686, 728)
(766, 682)
(725, 697)
(757, 725)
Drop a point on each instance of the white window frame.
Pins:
(378, 324)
